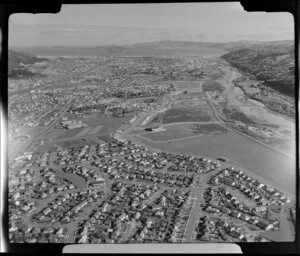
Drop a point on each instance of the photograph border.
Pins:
(292, 6)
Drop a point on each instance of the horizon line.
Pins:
(155, 41)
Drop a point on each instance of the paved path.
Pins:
(197, 198)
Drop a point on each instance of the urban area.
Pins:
(116, 150)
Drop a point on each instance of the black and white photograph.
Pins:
(151, 123)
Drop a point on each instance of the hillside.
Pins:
(16, 58)
(270, 62)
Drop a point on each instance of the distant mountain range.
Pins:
(156, 47)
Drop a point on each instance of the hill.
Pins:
(16, 58)
(270, 62)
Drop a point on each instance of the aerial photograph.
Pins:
(151, 123)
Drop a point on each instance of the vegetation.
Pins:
(211, 85)
(208, 128)
(22, 73)
(273, 64)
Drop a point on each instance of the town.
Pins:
(85, 165)
(130, 194)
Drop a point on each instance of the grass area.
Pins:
(72, 143)
(208, 128)
(105, 138)
(183, 131)
(174, 132)
(54, 133)
(44, 148)
(236, 115)
(185, 111)
(189, 86)
(185, 115)
(190, 96)
(33, 131)
(96, 119)
(211, 86)
(70, 133)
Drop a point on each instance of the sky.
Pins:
(119, 24)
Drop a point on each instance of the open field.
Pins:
(211, 85)
(89, 130)
(236, 115)
(33, 131)
(44, 148)
(189, 86)
(184, 130)
(93, 119)
(185, 115)
(54, 134)
(70, 133)
(173, 132)
(208, 128)
(197, 97)
(188, 107)
(71, 143)
(106, 138)
(144, 100)
(97, 119)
